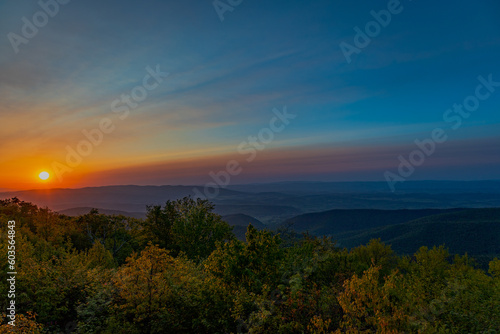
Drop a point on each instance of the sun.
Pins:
(44, 176)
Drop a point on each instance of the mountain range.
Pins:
(462, 215)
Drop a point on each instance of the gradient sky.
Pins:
(352, 121)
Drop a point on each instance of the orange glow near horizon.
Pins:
(25, 177)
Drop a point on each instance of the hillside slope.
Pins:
(84, 210)
(240, 223)
(475, 231)
(339, 221)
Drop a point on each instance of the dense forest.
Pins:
(182, 270)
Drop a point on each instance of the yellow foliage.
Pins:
(25, 324)
(319, 326)
(371, 307)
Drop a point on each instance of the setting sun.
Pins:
(44, 176)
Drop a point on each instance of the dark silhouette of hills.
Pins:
(338, 221)
(240, 223)
(82, 211)
(121, 198)
(419, 213)
(472, 231)
(274, 203)
(243, 220)
(265, 211)
(429, 187)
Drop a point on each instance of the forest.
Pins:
(182, 270)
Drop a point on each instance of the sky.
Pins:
(189, 92)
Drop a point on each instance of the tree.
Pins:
(376, 253)
(156, 293)
(25, 324)
(372, 307)
(113, 232)
(159, 222)
(187, 226)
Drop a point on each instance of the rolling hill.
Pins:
(336, 221)
(82, 211)
(121, 198)
(274, 203)
(240, 223)
(243, 220)
(475, 231)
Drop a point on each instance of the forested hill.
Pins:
(338, 221)
(273, 203)
(182, 270)
(472, 231)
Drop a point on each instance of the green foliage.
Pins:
(432, 296)
(251, 264)
(115, 233)
(52, 287)
(156, 292)
(375, 253)
(472, 231)
(495, 268)
(188, 226)
(181, 271)
(94, 313)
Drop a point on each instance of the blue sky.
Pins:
(225, 77)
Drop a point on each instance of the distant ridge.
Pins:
(123, 198)
(274, 203)
(82, 211)
(339, 220)
(240, 223)
(475, 231)
(431, 187)
(243, 220)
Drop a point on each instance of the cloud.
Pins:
(315, 162)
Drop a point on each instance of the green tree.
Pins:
(251, 264)
(156, 293)
(375, 253)
(115, 232)
(188, 226)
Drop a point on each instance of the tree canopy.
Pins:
(181, 270)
